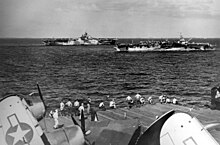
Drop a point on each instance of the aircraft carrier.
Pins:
(85, 39)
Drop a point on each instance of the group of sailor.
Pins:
(140, 100)
(112, 104)
(165, 99)
(77, 108)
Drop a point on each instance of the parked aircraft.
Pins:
(19, 126)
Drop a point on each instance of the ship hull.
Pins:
(155, 49)
(152, 45)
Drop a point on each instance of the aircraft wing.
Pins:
(18, 126)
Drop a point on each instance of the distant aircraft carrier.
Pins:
(180, 45)
(85, 39)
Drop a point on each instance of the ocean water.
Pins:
(97, 71)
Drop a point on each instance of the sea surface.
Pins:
(97, 71)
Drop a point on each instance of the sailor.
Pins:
(129, 101)
(89, 100)
(76, 107)
(162, 99)
(150, 100)
(69, 103)
(174, 101)
(51, 114)
(217, 94)
(102, 106)
(112, 104)
(81, 108)
(69, 107)
(55, 117)
(168, 100)
(62, 112)
(142, 100)
(137, 97)
(107, 97)
(62, 106)
(76, 103)
(88, 108)
(94, 116)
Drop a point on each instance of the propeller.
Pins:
(82, 121)
(74, 120)
(42, 99)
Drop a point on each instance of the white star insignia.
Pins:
(19, 134)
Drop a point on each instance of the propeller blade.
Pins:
(42, 99)
(74, 121)
(82, 122)
(41, 96)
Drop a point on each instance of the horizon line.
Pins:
(106, 37)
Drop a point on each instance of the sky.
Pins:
(109, 18)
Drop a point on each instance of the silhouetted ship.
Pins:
(180, 45)
(85, 39)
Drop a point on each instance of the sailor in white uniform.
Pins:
(101, 105)
(137, 96)
(62, 106)
(69, 103)
(129, 99)
(112, 104)
(55, 117)
(137, 99)
(174, 101)
(81, 108)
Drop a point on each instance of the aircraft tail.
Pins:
(152, 135)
